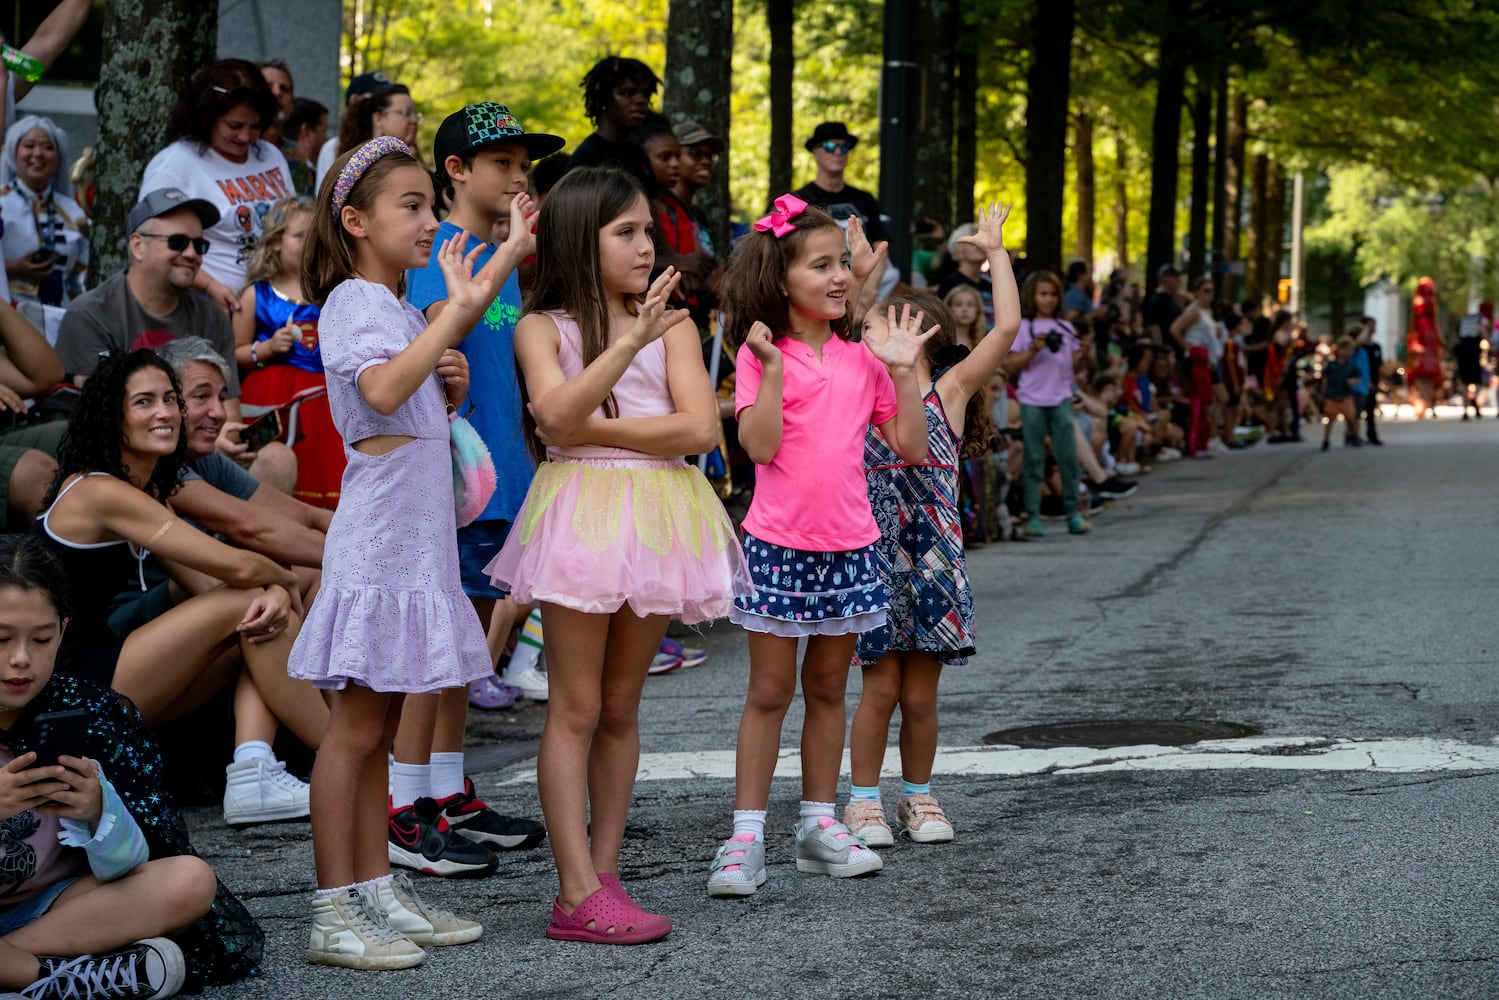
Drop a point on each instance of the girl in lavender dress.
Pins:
(391, 617)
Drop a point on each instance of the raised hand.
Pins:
(990, 235)
(761, 343)
(863, 258)
(521, 241)
(903, 340)
(467, 291)
(654, 319)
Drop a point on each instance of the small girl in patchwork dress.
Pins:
(921, 554)
(806, 393)
(618, 534)
(391, 617)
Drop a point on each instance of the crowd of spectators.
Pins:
(165, 432)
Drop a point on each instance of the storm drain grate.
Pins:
(1101, 733)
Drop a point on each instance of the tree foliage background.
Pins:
(1388, 106)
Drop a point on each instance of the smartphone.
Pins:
(58, 734)
(262, 430)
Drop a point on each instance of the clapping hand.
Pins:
(863, 258)
(901, 342)
(761, 343)
(467, 291)
(990, 234)
(521, 241)
(654, 319)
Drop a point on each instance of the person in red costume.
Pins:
(1423, 350)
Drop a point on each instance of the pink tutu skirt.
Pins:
(597, 534)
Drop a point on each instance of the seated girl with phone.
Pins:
(97, 874)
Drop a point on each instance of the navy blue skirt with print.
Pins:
(801, 593)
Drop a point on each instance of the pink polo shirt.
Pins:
(812, 495)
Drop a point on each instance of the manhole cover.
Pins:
(1098, 733)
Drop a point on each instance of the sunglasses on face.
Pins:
(178, 242)
(700, 154)
(834, 146)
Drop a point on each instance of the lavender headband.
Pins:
(364, 158)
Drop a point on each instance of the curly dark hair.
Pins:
(95, 437)
(609, 72)
(215, 90)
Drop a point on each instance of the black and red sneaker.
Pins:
(419, 838)
(470, 817)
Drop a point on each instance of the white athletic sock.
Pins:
(250, 749)
(527, 645)
(814, 811)
(409, 782)
(750, 821)
(447, 774)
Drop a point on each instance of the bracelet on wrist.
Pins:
(255, 354)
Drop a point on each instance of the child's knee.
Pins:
(770, 694)
(825, 687)
(185, 889)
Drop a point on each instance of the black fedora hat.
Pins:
(832, 130)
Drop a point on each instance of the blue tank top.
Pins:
(273, 310)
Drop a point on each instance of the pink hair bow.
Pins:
(778, 222)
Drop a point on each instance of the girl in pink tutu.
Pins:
(617, 534)
(391, 617)
(806, 394)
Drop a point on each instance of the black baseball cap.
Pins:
(488, 124)
(1168, 271)
(164, 200)
(365, 84)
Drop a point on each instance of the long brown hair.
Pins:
(358, 125)
(942, 352)
(1028, 293)
(751, 288)
(568, 278)
(330, 256)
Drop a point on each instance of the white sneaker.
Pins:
(352, 931)
(259, 790)
(418, 921)
(532, 683)
(1127, 468)
(1169, 454)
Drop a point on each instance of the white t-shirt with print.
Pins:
(242, 192)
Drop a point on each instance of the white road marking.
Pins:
(1274, 753)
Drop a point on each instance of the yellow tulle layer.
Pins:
(671, 506)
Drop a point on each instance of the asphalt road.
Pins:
(1316, 598)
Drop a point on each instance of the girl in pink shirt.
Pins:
(617, 534)
(805, 395)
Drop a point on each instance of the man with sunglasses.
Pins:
(153, 301)
(830, 145)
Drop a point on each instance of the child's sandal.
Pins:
(615, 920)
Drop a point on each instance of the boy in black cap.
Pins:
(830, 145)
(483, 156)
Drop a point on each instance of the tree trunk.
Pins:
(1274, 245)
(965, 169)
(1220, 179)
(1121, 199)
(779, 19)
(1165, 163)
(1202, 134)
(1047, 86)
(1255, 258)
(699, 51)
(1082, 155)
(936, 38)
(153, 50)
(1233, 186)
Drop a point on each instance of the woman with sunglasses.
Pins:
(215, 153)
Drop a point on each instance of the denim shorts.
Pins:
(478, 544)
(29, 911)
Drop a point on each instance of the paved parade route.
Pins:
(1339, 605)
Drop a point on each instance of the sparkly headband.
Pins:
(364, 157)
